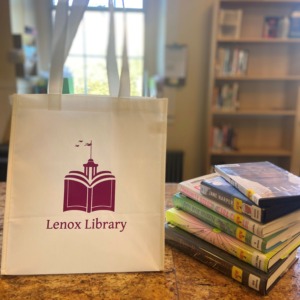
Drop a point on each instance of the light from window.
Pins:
(132, 4)
(86, 62)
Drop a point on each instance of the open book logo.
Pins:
(89, 190)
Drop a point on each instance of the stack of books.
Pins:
(243, 220)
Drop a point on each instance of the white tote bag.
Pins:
(85, 187)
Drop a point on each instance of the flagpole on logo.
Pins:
(91, 149)
(91, 146)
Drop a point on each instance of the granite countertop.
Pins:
(183, 278)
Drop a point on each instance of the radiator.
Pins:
(174, 166)
(3, 161)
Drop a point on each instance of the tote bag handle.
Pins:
(117, 87)
(65, 28)
(64, 31)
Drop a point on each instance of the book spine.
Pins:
(235, 55)
(236, 204)
(237, 218)
(235, 95)
(210, 217)
(194, 248)
(218, 238)
(220, 61)
(227, 62)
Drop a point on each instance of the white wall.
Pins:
(7, 72)
(189, 22)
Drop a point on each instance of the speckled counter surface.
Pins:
(183, 278)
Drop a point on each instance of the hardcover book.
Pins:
(262, 182)
(261, 261)
(220, 190)
(214, 219)
(227, 264)
(289, 224)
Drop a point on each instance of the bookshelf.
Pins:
(254, 112)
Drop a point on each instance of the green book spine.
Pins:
(212, 218)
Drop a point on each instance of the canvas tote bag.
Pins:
(85, 187)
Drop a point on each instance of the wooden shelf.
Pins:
(260, 110)
(259, 40)
(253, 152)
(243, 2)
(258, 78)
(255, 113)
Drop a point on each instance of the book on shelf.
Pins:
(229, 25)
(223, 138)
(262, 182)
(220, 190)
(250, 255)
(294, 28)
(232, 61)
(242, 62)
(284, 27)
(271, 27)
(225, 263)
(289, 224)
(226, 97)
(276, 27)
(225, 225)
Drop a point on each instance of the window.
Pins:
(87, 58)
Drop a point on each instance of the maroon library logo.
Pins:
(89, 190)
